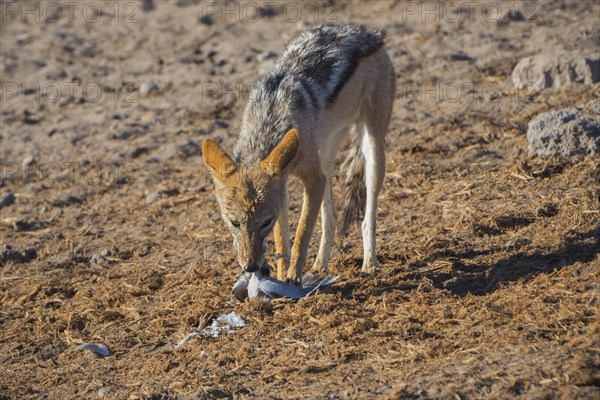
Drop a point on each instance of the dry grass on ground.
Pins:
(490, 265)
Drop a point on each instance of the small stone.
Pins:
(189, 148)
(29, 161)
(119, 115)
(7, 200)
(29, 118)
(221, 123)
(148, 88)
(148, 117)
(139, 151)
(151, 197)
(56, 74)
(67, 200)
(166, 152)
(511, 16)
(147, 5)
(460, 57)
(100, 259)
(206, 20)
(104, 393)
(23, 39)
(269, 55)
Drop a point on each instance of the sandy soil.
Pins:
(490, 266)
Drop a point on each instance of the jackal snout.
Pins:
(251, 250)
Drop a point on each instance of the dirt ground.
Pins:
(490, 268)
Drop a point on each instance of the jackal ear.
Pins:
(282, 154)
(218, 162)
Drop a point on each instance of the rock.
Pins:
(565, 133)
(554, 70)
(148, 88)
(7, 200)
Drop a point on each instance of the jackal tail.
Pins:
(354, 189)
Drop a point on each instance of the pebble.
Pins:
(206, 20)
(148, 88)
(105, 392)
(269, 55)
(147, 5)
(67, 200)
(56, 74)
(23, 39)
(511, 16)
(29, 161)
(7, 200)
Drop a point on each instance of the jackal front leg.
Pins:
(314, 186)
(281, 233)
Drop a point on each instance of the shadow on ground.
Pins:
(467, 276)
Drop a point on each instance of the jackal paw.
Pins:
(370, 266)
(319, 268)
(294, 277)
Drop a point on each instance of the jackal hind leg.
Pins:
(375, 124)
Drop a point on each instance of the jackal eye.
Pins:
(267, 222)
(235, 223)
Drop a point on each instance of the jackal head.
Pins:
(250, 196)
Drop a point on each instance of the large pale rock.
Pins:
(566, 133)
(554, 70)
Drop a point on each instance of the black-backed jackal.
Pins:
(329, 83)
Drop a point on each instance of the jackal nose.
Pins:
(253, 267)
